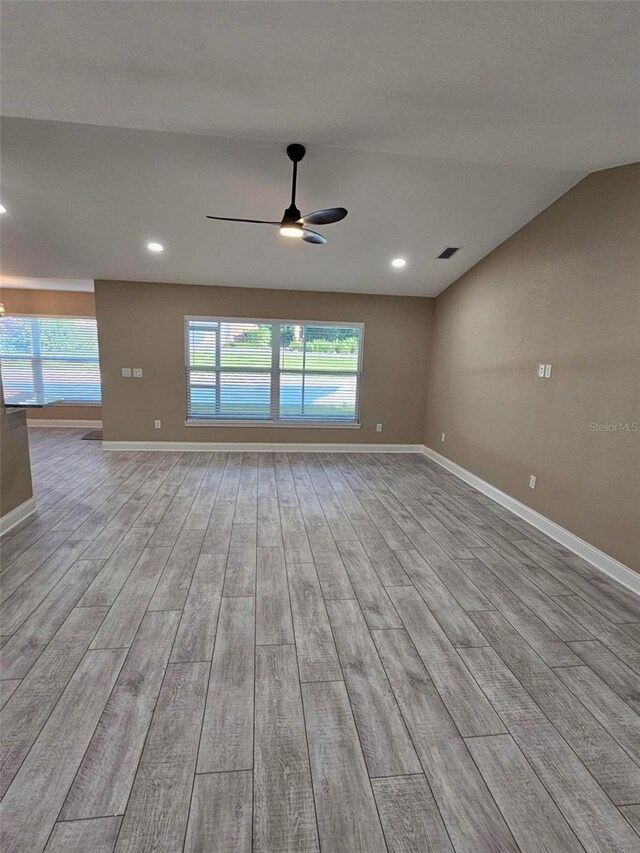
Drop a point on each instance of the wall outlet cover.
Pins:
(137, 372)
(541, 369)
(442, 437)
(378, 427)
(126, 372)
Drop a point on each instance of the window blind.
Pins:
(265, 370)
(52, 357)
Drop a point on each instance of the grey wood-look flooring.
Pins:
(347, 653)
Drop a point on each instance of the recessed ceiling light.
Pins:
(155, 247)
(398, 263)
(3, 209)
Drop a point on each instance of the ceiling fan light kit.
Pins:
(293, 224)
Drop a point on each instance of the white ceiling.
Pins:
(434, 123)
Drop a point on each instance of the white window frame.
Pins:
(35, 358)
(275, 371)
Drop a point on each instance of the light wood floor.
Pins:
(271, 652)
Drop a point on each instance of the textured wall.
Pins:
(563, 290)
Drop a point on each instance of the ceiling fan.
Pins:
(293, 224)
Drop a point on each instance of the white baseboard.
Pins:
(64, 422)
(598, 559)
(265, 446)
(17, 516)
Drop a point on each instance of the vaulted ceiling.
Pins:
(436, 124)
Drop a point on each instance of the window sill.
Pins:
(273, 424)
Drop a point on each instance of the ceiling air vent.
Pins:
(447, 253)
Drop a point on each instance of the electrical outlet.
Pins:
(547, 371)
(378, 427)
(137, 372)
(541, 369)
(126, 372)
(442, 437)
(532, 481)
(157, 424)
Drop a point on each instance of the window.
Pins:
(272, 371)
(52, 357)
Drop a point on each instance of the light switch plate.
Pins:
(137, 372)
(547, 371)
(126, 372)
(532, 481)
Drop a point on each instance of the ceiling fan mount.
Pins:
(296, 152)
(293, 224)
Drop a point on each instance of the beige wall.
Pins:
(56, 303)
(142, 325)
(563, 290)
(15, 469)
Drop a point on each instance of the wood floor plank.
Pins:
(16, 573)
(386, 744)
(385, 562)
(103, 782)
(452, 618)
(546, 608)
(469, 812)
(332, 574)
(218, 534)
(632, 814)
(317, 656)
(609, 764)
(155, 820)
(25, 713)
(610, 635)
(173, 586)
(124, 617)
(197, 631)
(269, 529)
(457, 581)
(409, 815)
(613, 610)
(546, 582)
(220, 816)
(15, 609)
(620, 678)
(273, 609)
(465, 701)
(7, 689)
(106, 586)
(588, 810)
(614, 714)
(284, 817)
(170, 525)
(227, 731)
(536, 632)
(84, 836)
(32, 803)
(373, 597)
(240, 575)
(294, 535)
(534, 819)
(22, 650)
(340, 781)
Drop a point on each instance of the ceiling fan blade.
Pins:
(313, 237)
(325, 217)
(255, 221)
